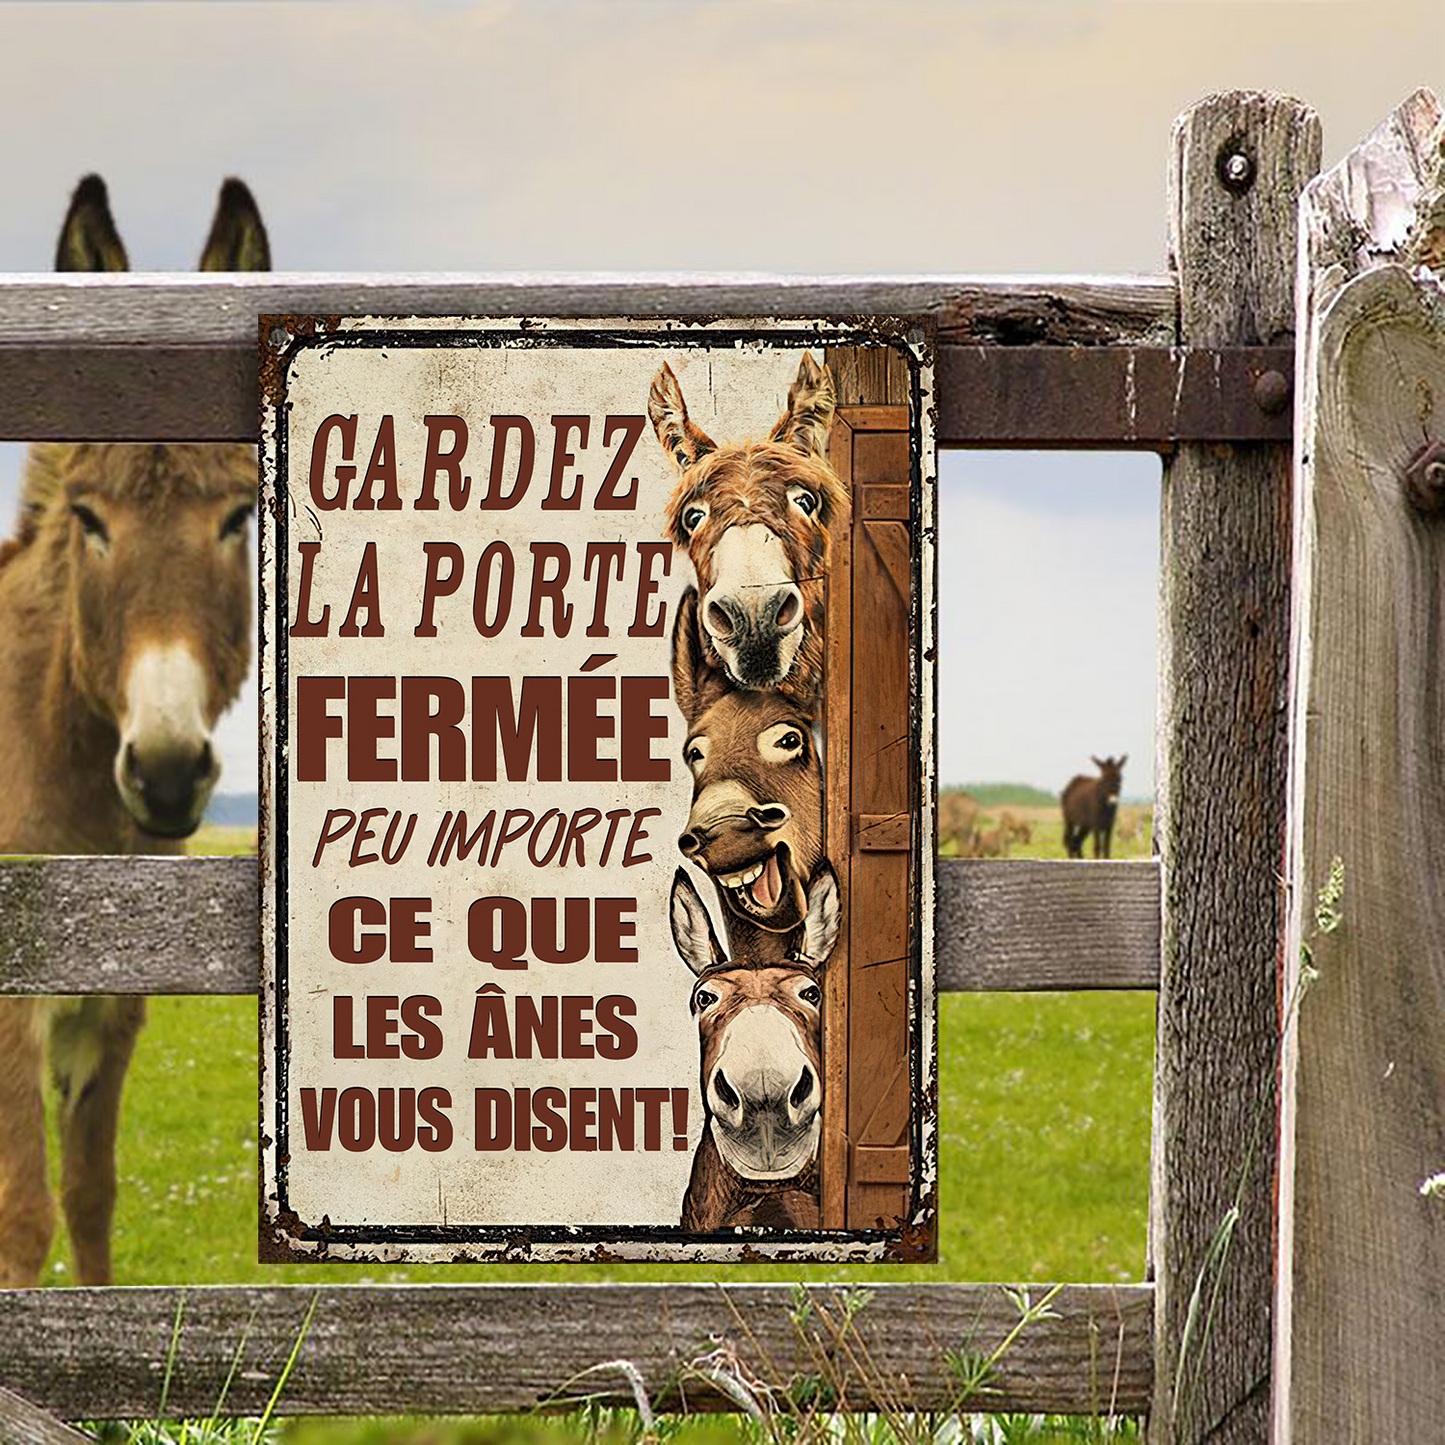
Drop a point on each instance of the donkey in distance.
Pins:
(760, 1035)
(753, 516)
(125, 632)
(1090, 805)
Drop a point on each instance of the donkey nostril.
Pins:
(802, 1088)
(131, 764)
(788, 609)
(689, 843)
(719, 620)
(770, 815)
(205, 761)
(725, 1090)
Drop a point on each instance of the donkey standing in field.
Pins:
(1090, 805)
(756, 825)
(125, 631)
(754, 518)
(760, 1030)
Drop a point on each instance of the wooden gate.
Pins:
(1194, 365)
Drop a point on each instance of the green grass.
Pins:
(1043, 1164)
(1011, 795)
(1044, 1147)
(1133, 831)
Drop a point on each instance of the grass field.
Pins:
(1044, 1143)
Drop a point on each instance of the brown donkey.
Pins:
(760, 1031)
(125, 631)
(756, 825)
(1090, 804)
(754, 517)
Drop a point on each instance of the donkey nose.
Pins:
(692, 843)
(724, 617)
(786, 609)
(801, 1103)
(768, 815)
(172, 781)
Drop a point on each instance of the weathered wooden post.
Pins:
(1360, 1308)
(1240, 161)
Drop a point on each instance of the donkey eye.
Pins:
(702, 999)
(90, 524)
(695, 754)
(235, 524)
(803, 500)
(781, 743)
(692, 518)
(811, 993)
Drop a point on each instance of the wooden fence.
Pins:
(1196, 366)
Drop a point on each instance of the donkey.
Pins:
(756, 825)
(753, 517)
(125, 622)
(1090, 804)
(760, 1030)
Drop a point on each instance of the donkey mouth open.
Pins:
(765, 889)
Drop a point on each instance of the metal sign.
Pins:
(577, 848)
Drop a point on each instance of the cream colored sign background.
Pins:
(730, 393)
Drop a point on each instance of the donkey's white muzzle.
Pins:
(165, 767)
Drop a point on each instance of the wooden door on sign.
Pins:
(871, 807)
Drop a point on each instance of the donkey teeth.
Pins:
(741, 880)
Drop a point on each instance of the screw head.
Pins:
(1236, 169)
(1424, 480)
(1272, 392)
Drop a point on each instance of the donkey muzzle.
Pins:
(172, 785)
(753, 612)
(166, 767)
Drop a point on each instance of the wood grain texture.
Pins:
(1017, 925)
(129, 925)
(884, 781)
(484, 1349)
(22, 1424)
(188, 925)
(212, 310)
(1224, 623)
(838, 827)
(1363, 1082)
(1133, 398)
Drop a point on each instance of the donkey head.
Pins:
(150, 554)
(756, 824)
(761, 1033)
(754, 517)
(1111, 778)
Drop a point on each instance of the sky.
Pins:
(972, 137)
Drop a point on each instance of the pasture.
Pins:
(1044, 1145)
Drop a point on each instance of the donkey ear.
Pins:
(238, 238)
(685, 443)
(692, 926)
(1096, 762)
(697, 682)
(821, 922)
(808, 416)
(1123, 758)
(89, 240)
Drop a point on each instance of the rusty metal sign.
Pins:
(597, 748)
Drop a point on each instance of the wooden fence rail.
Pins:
(1084, 363)
(189, 925)
(483, 1349)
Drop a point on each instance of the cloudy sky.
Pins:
(1027, 136)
